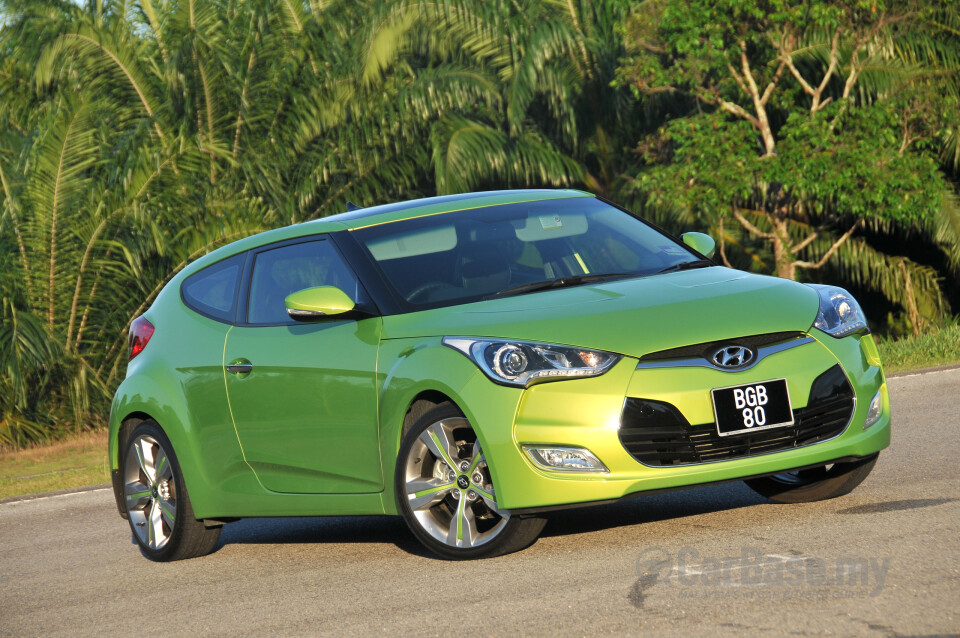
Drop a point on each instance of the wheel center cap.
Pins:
(463, 482)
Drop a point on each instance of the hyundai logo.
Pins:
(732, 356)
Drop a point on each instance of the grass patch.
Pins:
(75, 461)
(927, 350)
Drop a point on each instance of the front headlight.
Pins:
(840, 314)
(522, 363)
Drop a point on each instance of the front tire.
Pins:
(816, 484)
(445, 492)
(158, 506)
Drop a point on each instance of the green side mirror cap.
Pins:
(700, 242)
(316, 303)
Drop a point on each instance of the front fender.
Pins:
(413, 366)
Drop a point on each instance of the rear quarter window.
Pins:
(213, 291)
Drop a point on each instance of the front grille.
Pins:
(655, 433)
(754, 342)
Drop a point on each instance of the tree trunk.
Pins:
(782, 250)
(913, 313)
(784, 260)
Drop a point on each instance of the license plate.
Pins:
(741, 409)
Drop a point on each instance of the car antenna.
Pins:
(351, 207)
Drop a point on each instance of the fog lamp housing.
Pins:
(874, 411)
(565, 459)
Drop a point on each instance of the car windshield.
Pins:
(497, 251)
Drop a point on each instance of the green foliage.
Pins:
(848, 164)
(704, 162)
(806, 123)
(137, 135)
(847, 167)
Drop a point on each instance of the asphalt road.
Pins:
(710, 561)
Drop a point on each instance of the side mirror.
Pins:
(316, 303)
(700, 242)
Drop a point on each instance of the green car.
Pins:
(471, 362)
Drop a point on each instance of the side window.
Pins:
(213, 290)
(278, 272)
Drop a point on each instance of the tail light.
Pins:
(140, 332)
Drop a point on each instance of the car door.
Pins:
(303, 395)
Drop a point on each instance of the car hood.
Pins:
(631, 316)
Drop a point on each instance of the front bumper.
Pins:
(587, 413)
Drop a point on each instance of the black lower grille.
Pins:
(655, 433)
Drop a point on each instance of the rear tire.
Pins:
(445, 492)
(816, 484)
(155, 496)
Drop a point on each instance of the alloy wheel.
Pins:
(449, 488)
(150, 490)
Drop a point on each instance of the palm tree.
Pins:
(94, 175)
(139, 136)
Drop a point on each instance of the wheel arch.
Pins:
(420, 404)
(411, 388)
(138, 399)
(127, 425)
(117, 444)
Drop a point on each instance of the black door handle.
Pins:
(239, 368)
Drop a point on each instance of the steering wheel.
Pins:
(423, 289)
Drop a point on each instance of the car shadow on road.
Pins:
(392, 529)
(649, 508)
(896, 506)
(322, 530)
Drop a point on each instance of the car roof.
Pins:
(375, 215)
(386, 213)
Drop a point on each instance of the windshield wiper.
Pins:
(687, 265)
(559, 282)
